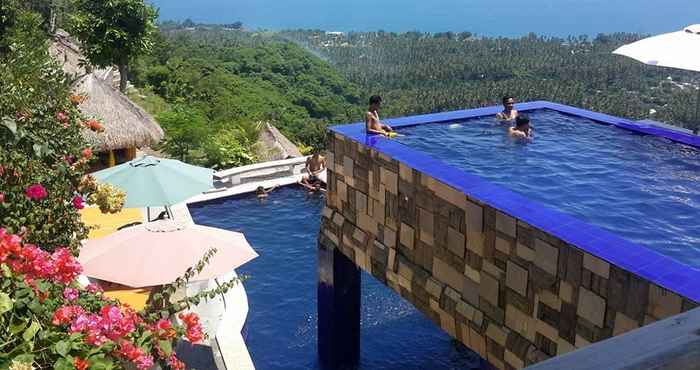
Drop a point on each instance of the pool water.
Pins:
(281, 325)
(643, 188)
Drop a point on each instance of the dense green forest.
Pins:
(225, 80)
(418, 73)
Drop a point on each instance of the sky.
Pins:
(483, 17)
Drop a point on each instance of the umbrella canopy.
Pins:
(674, 50)
(679, 50)
(159, 252)
(152, 182)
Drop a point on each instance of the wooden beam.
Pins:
(112, 160)
(673, 343)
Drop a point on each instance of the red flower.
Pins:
(36, 192)
(78, 202)
(164, 329)
(80, 364)
(194, 332)
(65, 315)
(87, 153)
(2, 197)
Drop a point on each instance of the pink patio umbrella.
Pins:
(159, 252)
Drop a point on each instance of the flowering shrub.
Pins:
(40, 136)
(51, 322)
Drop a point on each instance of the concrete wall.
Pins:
(507, 290)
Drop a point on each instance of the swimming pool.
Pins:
(643, 188)
(281, 325)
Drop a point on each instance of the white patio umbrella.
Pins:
(679, 50)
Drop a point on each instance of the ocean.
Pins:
(508, 18)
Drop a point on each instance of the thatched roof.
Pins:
(273, 146)
(125, 123)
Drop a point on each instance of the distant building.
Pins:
(335, 33)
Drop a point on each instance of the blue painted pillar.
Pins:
(339, 294)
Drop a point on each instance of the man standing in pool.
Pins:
(372, 122)
(509, 113)
(522, 128)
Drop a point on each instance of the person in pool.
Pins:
(509, 113)
(372, 122)
(262, 193)
(313, 188)
(522, 129)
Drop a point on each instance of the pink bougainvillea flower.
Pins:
(93, 288)
(174, 363)
(2, 197)
(78, 202)
(36, 192)
(62, 117)
(71, 294)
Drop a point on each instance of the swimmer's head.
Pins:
(375, 101)
(260, 190)
(508, 101)
(522, 122)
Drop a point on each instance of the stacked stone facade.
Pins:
(512, 293)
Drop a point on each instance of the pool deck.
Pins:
(651, 265)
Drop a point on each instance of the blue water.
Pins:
(483, 17)
(643, 188)
(282, 293)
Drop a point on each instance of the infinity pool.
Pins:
(281, 325)
(643, 188)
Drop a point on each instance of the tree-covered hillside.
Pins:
(234, 79)
(419, 73)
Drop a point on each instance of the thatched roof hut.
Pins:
(273, 146)
(126, 125)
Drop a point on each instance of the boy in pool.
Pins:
(372, 122)
(262, 193)
(522, 128)
(509, 113)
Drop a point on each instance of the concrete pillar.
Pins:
(339, 293)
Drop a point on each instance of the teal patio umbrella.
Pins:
(157, 182)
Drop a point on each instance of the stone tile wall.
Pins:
(512, 293)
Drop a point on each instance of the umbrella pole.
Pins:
(148, 214)
(697, 113)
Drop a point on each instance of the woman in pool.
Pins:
(522, 129)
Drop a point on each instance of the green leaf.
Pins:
(5, 303)
(99, 362)
(24, 358)
(10, 124)
(62, 348)
(166, 346)
(16, 328)
(63, 364)
(6, 270)
(31, 331)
